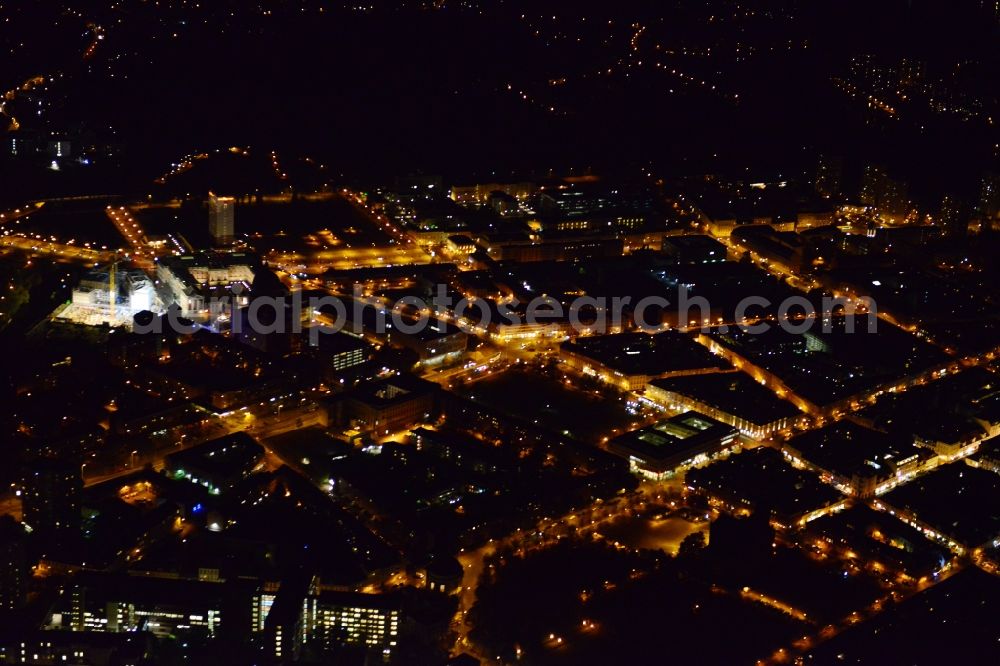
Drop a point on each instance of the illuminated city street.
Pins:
(437, 333)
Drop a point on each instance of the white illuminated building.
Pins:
(103, 298)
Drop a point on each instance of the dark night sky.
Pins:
(403, 89)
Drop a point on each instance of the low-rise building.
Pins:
(732, 398)
(692, 249)
(131, 291)
(434, 342)
(876, 541)
(479, 193)
(217, 464)
(382, 407)
(460, 246)
(96, 648)
(856, 459)
(631, 360)
(341, 351)
(117, 603)
(191, 281)
(568, 246)
(664, 449)
(784, 249)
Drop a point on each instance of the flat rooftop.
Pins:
(764, 480)
(395, 389)
(677, 437)
(939, 410)
(734, 393)
(880, 537)
(959, 501)
(142, 590)
(825, 367)
(339, 342)
(697, 243)
(644, 354)
(942, 625)
(224, 456)
(845, 448)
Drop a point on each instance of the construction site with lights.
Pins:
(111, 296)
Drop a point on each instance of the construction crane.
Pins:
(113, 287)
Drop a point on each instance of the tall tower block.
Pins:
(220, 218)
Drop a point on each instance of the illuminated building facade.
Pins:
(389, 405)
(460, 246)
(47, 648)
(190, 281)
(479, 193)
(732, 398)
(133, 292)
(857, 460)
(220, 219)
(631, 360)
(668, 447)
(296, 616)
(161, 606)
(343, 351)
(263, 601)
(334, 618)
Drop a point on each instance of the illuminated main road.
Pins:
(546, 533)
(348, 257)
(378, 219)
(258, 419)
(132, 231)
(57, 250)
